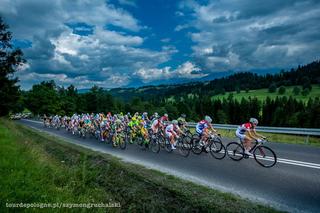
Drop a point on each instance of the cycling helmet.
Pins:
(254, 121)
(175, 122)
(165, 115)
(183, 115)
(208, 119)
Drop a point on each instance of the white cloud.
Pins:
(181, 27)
(186, 70)
(128, 2)
(105, 57)
(165, 40)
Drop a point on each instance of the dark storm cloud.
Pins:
(249, 34)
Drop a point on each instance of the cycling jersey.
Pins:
(172, 129)
(244, 127)
(201, 126)
(181, 121)
(156, 123)
(133, 123)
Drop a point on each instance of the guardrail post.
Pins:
(307, 139)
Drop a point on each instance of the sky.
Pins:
(130, 43)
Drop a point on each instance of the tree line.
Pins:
(48, 98)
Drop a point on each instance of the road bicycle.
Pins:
(213, 145)
(184, 145)
(136, 136)
(118, 139)
(262, 154)
(158, 141)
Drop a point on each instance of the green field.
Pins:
(38, 168)
(262, 94)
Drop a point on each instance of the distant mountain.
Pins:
(224, 82)
(81, 91)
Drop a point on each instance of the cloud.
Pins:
(71, 44)
(244, 35)
(187, 71)
(165, 40)
(181, 27)
(131, 3)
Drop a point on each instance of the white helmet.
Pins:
(254, 121)
(207, 118)
(175, 122)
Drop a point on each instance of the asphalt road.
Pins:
(293, 184)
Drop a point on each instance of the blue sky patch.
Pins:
(82, 29)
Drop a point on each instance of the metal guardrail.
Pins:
(281, 130)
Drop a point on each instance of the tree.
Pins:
(272, 88)
(306, 83)
(296, 90)
(238, 90)
(282, 90)
(10, 59)
(43, 98)
(305, 92)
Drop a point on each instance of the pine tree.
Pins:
(10, 59)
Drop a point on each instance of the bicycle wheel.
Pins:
(265, 156)
(235, 151)
(122, 141)
(217, 149)
(188, 133)
(196, 147)
(114, 141)
(167, 146)
(155, 146)
(187, 142)
(183, 147)
(109, 137)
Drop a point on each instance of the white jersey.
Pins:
(172, 128)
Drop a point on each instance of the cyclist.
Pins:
(172, 132)
(133, 125)
(154, 117)
(203, 127)
(159, 123)
(142, 130)
(182, 122)
(247, 133)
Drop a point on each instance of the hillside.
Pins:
(302, 75)
(262, 94)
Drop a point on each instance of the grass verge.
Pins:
(274, 137)
(281, 138)
(37, 168)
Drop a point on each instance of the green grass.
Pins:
(281, 138)
(262, 94)
(273, 137)
(36, 167)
